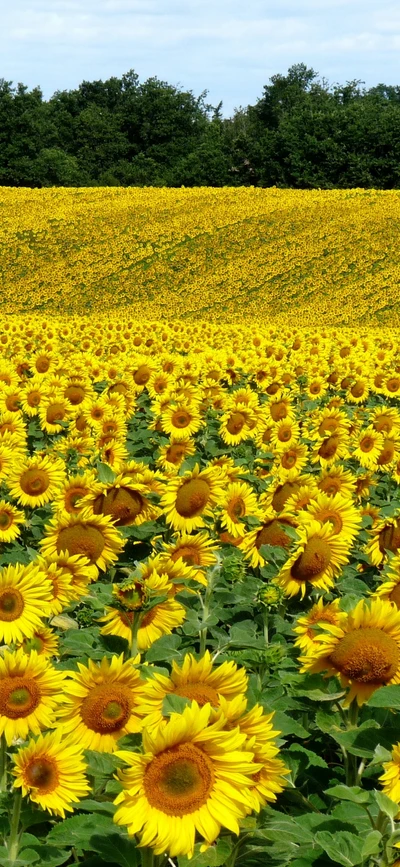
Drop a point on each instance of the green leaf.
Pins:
(360, 741)
(164, 649)
(215, 856)
(78, 830)
(288, 726)
(105, 474)
(342, 847)
(371, 844)
(174, 704)
(386, 696)
(313, 759)
(116, 848)
(386, 805)
(91, 806)
(102, 764)
(348, 793)
(47, 855)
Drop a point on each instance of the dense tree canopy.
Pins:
(302, 132)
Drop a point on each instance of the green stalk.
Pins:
(3, 764)
(206, 610)
(137, 619)
(13, 842)
(147, 857)
(265, 624)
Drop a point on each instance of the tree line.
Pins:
(302, 132)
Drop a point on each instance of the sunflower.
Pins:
(7, 458)
(390, 453)
(100, 702)
(337, 510)
(386, 419)
(271, 532)
(197, 680)
(300, 500)
(25, 595)
(336, 480)
(285, 434)
(35, 481)
(307, 624)
(238, 502)
(51, 771)
(332, 449)
(328, 422)
(193, 777)
(54, 412)
(180, 421)
(69, 497)
(125, 501)
(113, 453)
(269, 781)
(44, 641)
(317, 559)
(197, 552)
(30, 690)
(363, 651)
(385, 536)
(389, 590)
(159, 620)
(290, 460)
(85, 534)
(390, 778)
(235, 425)
(368, 447)
(191, 497)
(172, 455)
(10, 520)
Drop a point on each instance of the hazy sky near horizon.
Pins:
(229, 47)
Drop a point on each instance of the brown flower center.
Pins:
(236, 509)
(19, 697)
(41, 774)
(387, 453)
(175, 453)
(179, 781)
(328, 425)
(235, 423)
(389, 538)
(200, 692)
(72, 497)
(75, 394)
(122, 504)
(6, 521)
(55, 413)
(192, 497)
(273, 533)
(278, 410)
(81, 539)
(395, 595)
(34, 481)
(107, 708)
(142, 375)
(181, 418)
(328, 448)
(11, 604)
(190, 556)
(313, 561)
(282, 493)
(367, 655)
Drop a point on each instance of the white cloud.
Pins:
(230, 47)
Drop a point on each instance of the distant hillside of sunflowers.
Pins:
(333, 256)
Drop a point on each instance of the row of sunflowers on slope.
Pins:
(200, 546)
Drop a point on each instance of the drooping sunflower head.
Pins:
(316, 561)
(190, 497)
(85, 534)
(363, 651)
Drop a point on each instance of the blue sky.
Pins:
(230, 47)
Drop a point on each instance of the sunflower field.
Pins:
(199, 533)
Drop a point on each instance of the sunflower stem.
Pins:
(266, 623)
(135, 629)
(3, 764)
(147, 857)
(13, 842)
(206, 610)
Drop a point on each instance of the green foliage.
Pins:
(300, 133)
